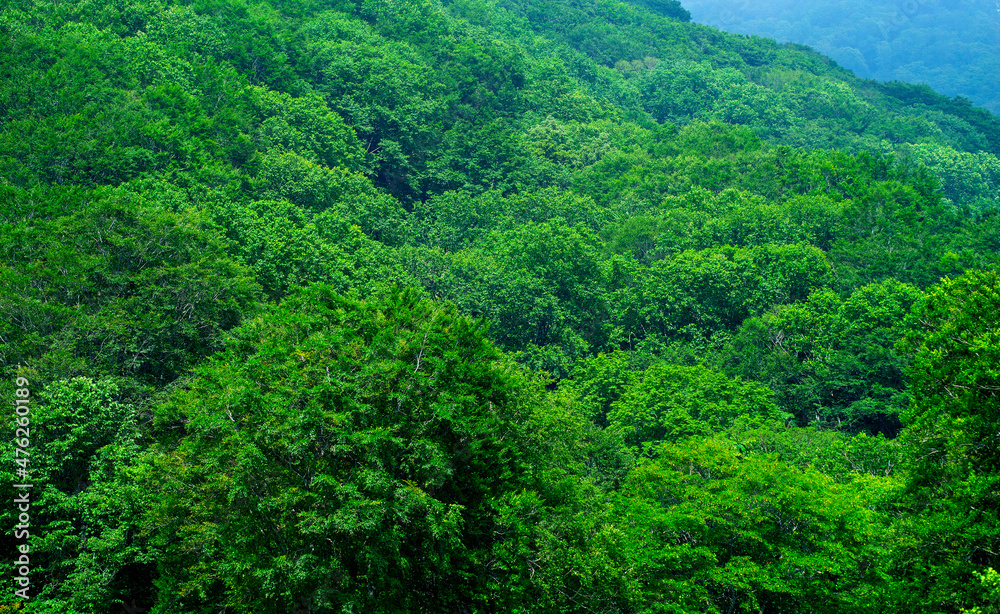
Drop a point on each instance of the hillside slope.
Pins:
(952, 46)
(477, 306)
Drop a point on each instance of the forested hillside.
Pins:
(952, 45)
(487, 306)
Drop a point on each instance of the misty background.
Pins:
(953, 46)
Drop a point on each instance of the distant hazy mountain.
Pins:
(952, 45)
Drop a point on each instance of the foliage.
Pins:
(105, 283)
(832, 360)
(87, 552)
(670, 402)
(951, 432)
(711, 530)
(489, 305)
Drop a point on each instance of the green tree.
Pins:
(832, 361)
(671, 402)
(115, 285)
(952, 432)
(709, 529)
(348, 454)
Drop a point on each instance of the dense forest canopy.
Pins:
(953, 46)
(488, 305)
